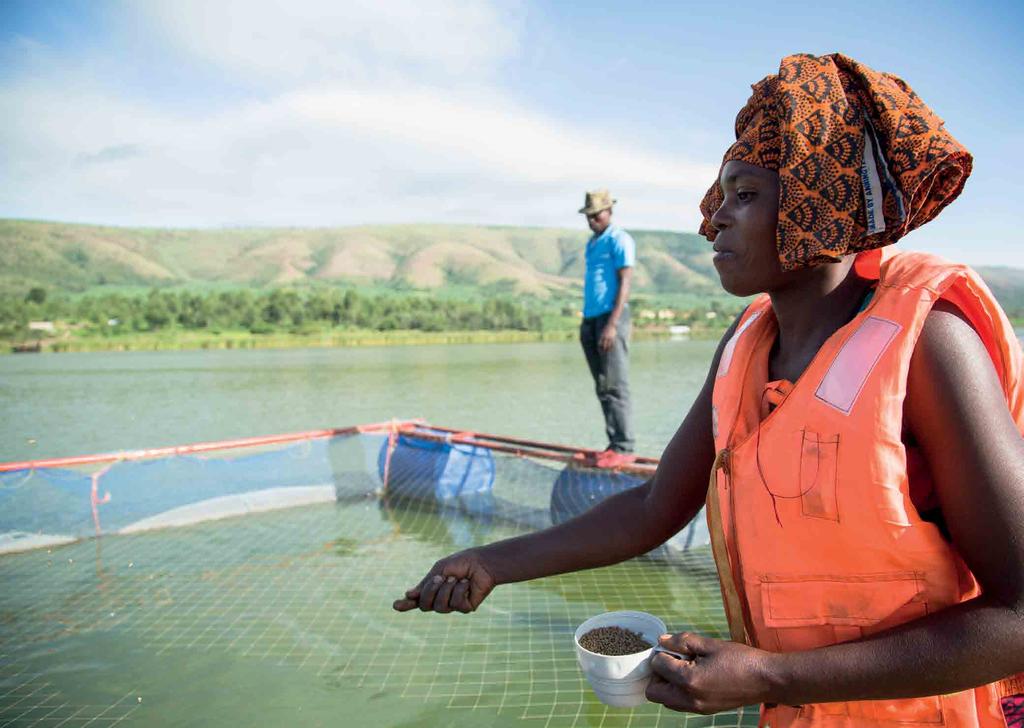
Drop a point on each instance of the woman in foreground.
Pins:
(861, 422)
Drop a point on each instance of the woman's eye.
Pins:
(745, 195)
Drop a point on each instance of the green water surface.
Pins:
(68, 404)
(284, 618)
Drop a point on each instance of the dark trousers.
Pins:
(610, 370)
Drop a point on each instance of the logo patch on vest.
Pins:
(850, 369)
(730, 347)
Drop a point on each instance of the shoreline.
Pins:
(194, 341)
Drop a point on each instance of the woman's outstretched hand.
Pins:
(718, 676)
(457, 583)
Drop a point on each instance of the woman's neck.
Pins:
(809, 311)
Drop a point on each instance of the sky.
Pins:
(214, 113)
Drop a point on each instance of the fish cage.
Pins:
(250, 582)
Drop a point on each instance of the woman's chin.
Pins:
(735, 286)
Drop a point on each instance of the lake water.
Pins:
(284, 618)
(71, 404)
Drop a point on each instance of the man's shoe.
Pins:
(614, 459)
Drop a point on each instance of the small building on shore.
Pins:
(45, 327)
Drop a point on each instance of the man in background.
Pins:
(604, 333)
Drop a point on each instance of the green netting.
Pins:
(283, 617)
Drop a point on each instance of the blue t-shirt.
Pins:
(606, 254)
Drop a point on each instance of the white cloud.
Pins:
(328, 144)
(305, 40)
(329, 155)
(510, 141)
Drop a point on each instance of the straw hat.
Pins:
(597, 200)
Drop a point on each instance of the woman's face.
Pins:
(746, 256)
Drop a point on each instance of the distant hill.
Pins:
(541, 262)
(1008, 286)
(531, 261)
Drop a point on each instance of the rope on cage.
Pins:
(94, 500)
(392, 439)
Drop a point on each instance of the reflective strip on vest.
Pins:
(854, 362)
(726, 360)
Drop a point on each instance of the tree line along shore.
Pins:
(160, 319)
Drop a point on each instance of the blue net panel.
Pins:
(62, 504)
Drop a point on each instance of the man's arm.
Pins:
(623, 526)
(956, 410)
(607, 339)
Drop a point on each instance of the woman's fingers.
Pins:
(671, 668)
(665, 693)
(442, 604)
(404, 605)
(429, 591)
(674, 697)
(460, 597)
(686, 643)
(412, 597)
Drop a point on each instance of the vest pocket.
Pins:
(807, 612)
(819, 457)
(809, 479)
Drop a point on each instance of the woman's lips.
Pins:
(723, 256)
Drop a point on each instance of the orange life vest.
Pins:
(815, 535)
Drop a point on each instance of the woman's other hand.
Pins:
(718, 675)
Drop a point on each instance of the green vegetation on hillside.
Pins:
(106, 287)
(492, 261)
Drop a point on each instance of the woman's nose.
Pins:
(720, 219)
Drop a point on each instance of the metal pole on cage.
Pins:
(392, 438)
(94, 500)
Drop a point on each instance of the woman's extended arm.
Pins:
(623, 526)
(957, 412)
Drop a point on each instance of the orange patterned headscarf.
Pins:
(861, 159)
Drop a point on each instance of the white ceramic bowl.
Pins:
(620, 680)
